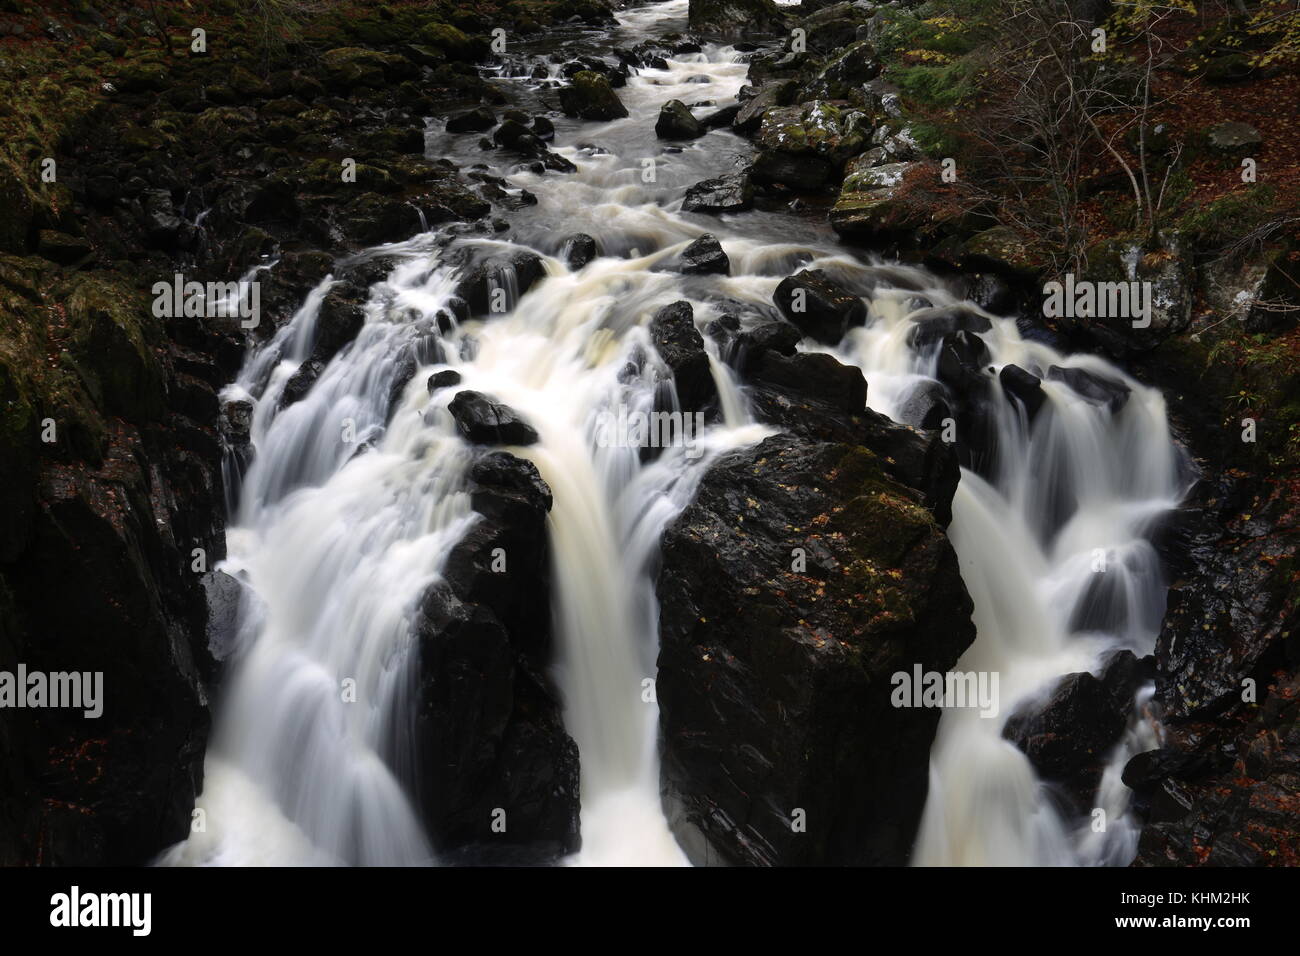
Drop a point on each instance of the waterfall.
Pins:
(1078, 486)
(357, 492)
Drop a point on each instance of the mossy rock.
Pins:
(142, 77)
(114, 334)
(456, 44)
(350, 68)
(590, 96)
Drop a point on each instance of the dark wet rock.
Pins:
(1229, 620)
(590, 97)
(1023, 386)
(992, 293)
(736, 17)
(223, 595)
(543, 128)
(821, 308)
(579, 250)
(1095, 388)
(301, 382)
(1069, 736)
(493, 285)
(750, 115)
(444, 379)
(774, 674)
(961, 355)
(704, 256)
(934, 324)
(677, 122)
(485, 422)
(120, 788)
(1223, 793)
(479, 120)
(781, 338)
(732, 193)
(721, 118)
(926, 406)
(488, 722)
(513, 134)
(680, 345)
(816, 375)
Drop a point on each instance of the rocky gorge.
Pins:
(409, 197)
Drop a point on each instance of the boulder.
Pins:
(1234, 138)
(677, 122)
(590, 97)
(732, 193)
(579, 249)
(792, 588)
(750, 115)
(819, 306)
(680, 345)
(485, 422)
(805, 147)
(444, 379)
(871, 203)
(494, 284)
(933, 324)
(815, 374)
(488, 722)
(478, 120)
(1024, 387)
(1069, 736)
(704, 256)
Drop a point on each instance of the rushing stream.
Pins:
(335, 547)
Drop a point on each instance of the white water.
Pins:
(335, 548)
(1079, 485)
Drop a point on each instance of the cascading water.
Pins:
(335, 540)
